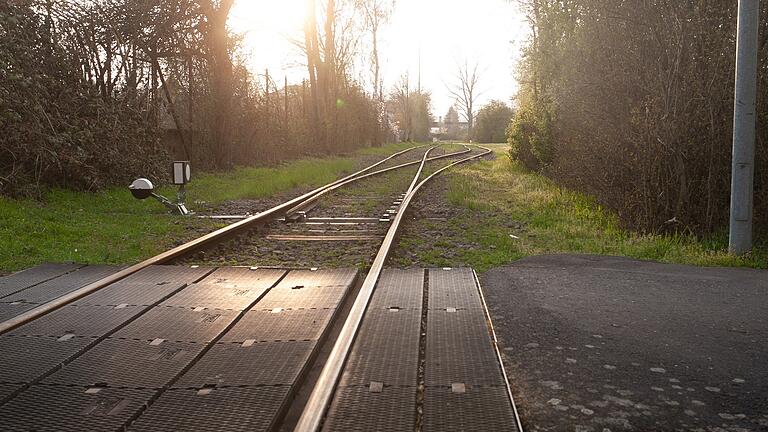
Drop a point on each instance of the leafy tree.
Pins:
(411, 111)
(451, 121)
(421, 110)
(492, 121)
(633, 102)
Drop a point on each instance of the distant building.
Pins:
(450, 127)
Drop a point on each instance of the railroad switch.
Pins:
(142, 188)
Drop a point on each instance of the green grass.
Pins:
(111, 227)
(549, 219)
(241, 183)
(107, 227)
(263, 182)
(385, 150)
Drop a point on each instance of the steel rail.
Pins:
(498, 352)
(181, 250)
(320, 397)
(381, 171)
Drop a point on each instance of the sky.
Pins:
(442, 33)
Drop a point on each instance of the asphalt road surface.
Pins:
(611, 344)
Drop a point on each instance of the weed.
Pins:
(526, 214)
(112, 227)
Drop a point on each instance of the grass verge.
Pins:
(113, 228)
(509, 214)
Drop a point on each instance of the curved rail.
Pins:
(183, 250)
(381, 171)
(314, 411)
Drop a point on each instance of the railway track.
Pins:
(355, 213)
(158, 351)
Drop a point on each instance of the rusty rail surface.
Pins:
(321, 395)
(184, 249)
(308, 202)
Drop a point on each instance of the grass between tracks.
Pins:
(111, 227)
(505, 201)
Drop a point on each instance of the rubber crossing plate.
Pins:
(306, 297)
(477, 409)
(358, 409)
(24, 359)
(386, 350)
(127, 363)
(244, 278)
(33, 276)
(44, 408)
(459, 349)
(133, 294)
(146, 287)
(453, 288)
(7, 390)
(249, 409)
(10, 310)
(215, 296)
(61, 285)
(163, 274)
(266, 363)
(87, 321)
(178, 325)
(316, 278)
(280, 325)
(399, 288)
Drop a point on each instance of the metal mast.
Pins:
(744, 119)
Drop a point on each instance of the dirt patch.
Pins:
(434, 232)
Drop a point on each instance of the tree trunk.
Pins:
(217, 41)
(310, 38)
(171, 107)
(379, 93)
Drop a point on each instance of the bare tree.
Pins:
(167, 78)
(400, 105)
(465, 92)
(376, 14)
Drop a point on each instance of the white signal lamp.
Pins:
(141, 188)
(182, 172)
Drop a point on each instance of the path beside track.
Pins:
(598, 343)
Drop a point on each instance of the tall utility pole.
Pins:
(744, 115)
(419, 87)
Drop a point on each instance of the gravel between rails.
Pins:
(362, 199)
(434, 232)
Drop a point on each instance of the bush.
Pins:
(492, 121)
(530, 137)
(57, 129)
(633, 103)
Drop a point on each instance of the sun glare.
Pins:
(268, 27)
(279, 16)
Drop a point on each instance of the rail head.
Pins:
(182, 250)
(308, 202)
(314, 411)
(499, 358)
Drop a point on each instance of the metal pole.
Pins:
(743, 162)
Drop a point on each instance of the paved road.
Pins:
(611, 344)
